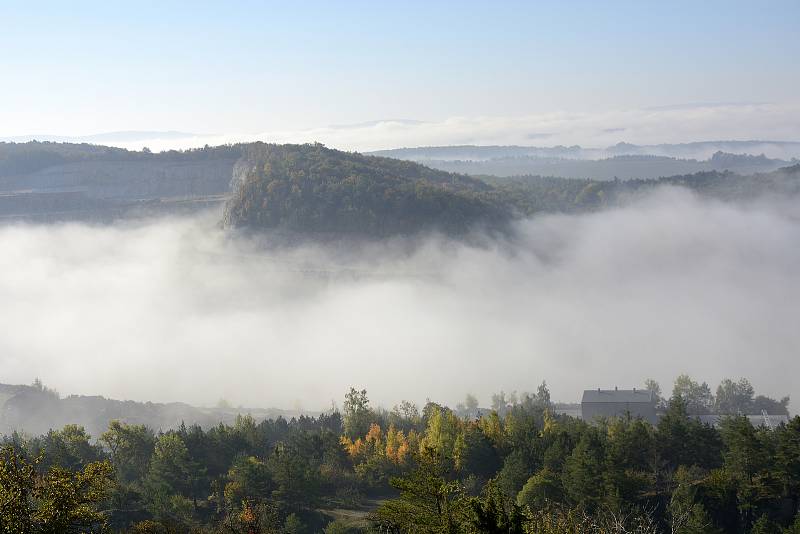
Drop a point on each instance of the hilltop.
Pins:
(314, 189)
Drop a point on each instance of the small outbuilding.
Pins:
(604, 403)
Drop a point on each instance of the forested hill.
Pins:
(45, 181)
(22, 159)
(528, 195)
(314, 189)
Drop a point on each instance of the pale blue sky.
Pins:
(246, 67)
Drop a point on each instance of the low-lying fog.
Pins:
(177, 309)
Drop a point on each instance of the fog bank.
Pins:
(176, 309)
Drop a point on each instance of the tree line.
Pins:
(518, 468)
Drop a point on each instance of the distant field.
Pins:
(355, 517)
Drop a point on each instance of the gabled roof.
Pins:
(617, 395)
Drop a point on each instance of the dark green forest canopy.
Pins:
(519, 467)
(314, 189)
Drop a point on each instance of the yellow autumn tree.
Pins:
(397, 447)
(374, 438)
(356, 449)
(442, 432)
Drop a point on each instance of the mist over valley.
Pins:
(164, 307)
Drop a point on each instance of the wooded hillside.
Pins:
(314, 189)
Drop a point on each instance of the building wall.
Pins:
(592, 410)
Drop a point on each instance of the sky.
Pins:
(246, 68)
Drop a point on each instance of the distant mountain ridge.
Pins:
(623, 160)
(694, 150)
(623, 167)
